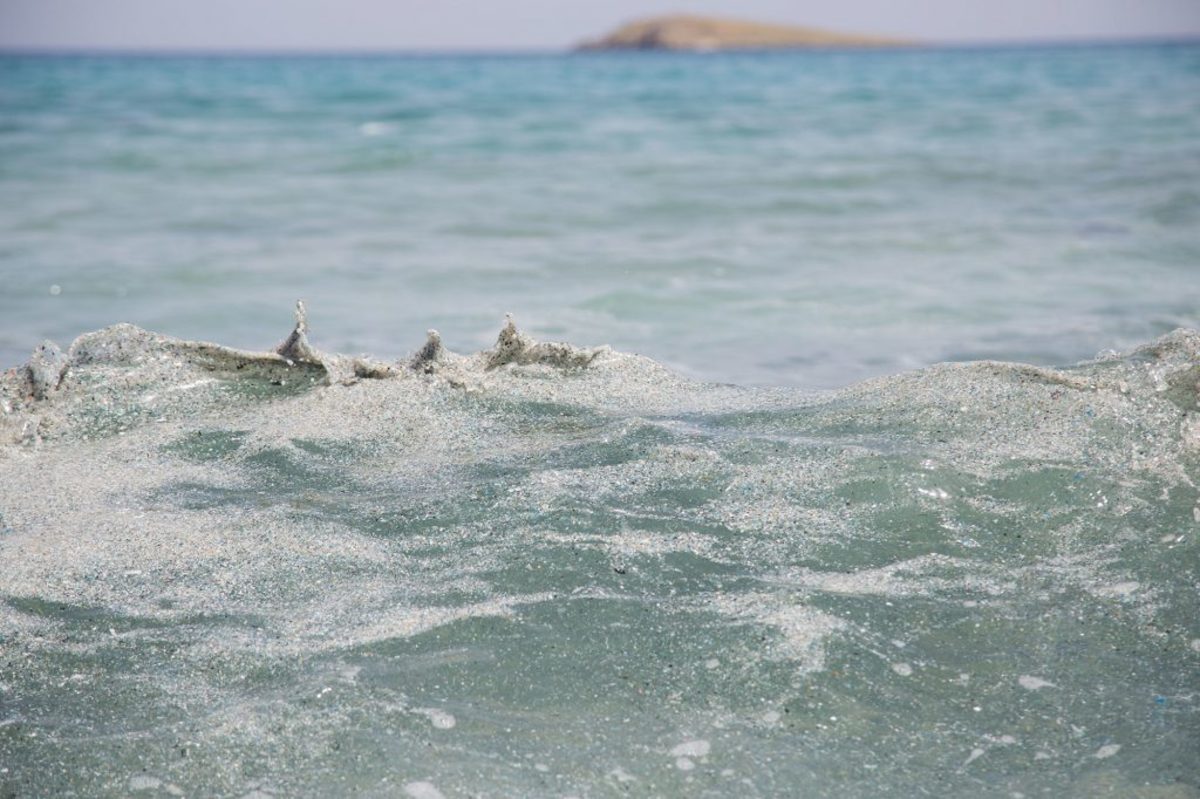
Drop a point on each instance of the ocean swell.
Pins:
(541, 569)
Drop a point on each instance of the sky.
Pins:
(547, 24)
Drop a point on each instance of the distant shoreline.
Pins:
(690, 32)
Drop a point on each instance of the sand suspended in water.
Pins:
(543, 569)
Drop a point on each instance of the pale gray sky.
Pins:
(521, 24)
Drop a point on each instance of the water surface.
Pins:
(780, 219)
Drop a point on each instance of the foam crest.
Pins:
(120, 365)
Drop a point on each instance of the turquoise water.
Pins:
(506, 567)
(558, 572)
(781, 219)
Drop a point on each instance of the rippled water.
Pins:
(558, 570)
(548, 571)
(800, 219)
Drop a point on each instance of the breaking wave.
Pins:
(544, 569)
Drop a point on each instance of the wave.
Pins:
(979, 571)
(110, 367)
(131, 358)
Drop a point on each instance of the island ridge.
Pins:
(685, 32)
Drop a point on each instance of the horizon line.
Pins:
(286, 51)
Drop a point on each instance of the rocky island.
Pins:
(681, 32)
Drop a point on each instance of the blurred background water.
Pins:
(788, 218)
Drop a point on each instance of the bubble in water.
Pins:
(423, 790)
(698, 748)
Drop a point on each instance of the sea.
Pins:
(806, 424)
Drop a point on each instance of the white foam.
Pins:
(440, 719)
(803, 629)
(422, 789)
(696, 748)
(621, 775)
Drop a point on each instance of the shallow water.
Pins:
(541, 570)
(781, 219)
(553, 572)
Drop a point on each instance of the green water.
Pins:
(610, 581)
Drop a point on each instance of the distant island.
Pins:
(681, 32)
